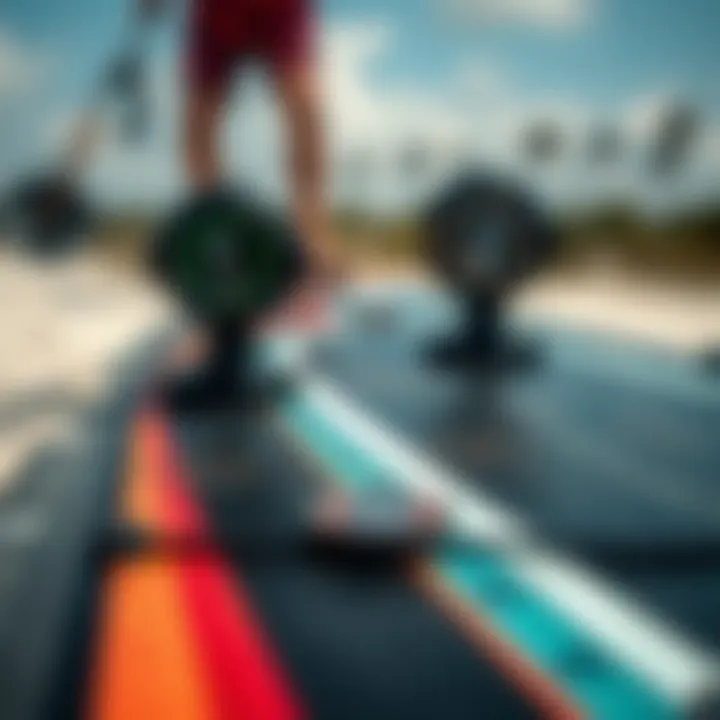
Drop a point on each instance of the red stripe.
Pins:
(245, 675)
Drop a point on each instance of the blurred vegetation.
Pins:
(125, 237)
(616, 234)
(619, 233)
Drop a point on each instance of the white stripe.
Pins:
(676, 667)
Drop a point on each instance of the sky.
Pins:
(460, 78)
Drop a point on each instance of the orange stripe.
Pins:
(535, 685)
(148, 666)
(138, 501)
(247, 678)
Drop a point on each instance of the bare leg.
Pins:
(300, 96)
(203, 115)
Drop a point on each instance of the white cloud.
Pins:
(20, 69)
(556, 15)
(378, 121)
(348, 52)
(480, 79)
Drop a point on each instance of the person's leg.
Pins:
(299, 93)
(206, 92)
(308, 307)
(296, 74)
(203, 115)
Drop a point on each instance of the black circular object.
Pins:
(484, 235)
(48, 215)
(225, 256)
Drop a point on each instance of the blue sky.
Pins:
(622, 48)
(475, 68)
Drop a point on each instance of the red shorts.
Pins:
(226, 32)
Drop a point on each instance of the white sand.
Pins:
(685, 317)
(61, 327)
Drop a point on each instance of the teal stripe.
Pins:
(597, 683)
